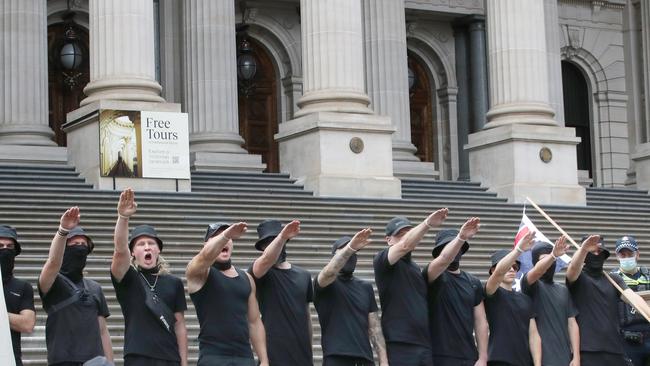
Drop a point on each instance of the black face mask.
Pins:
(455, 265)
(222, 266)
(348, 269)
(594, 264)
(7, 258)
(74, 261)
(550, 272)
(283, 256)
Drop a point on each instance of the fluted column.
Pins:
(332, 54)
(122, 63)
(387, 70)
(210, 74)
(519, 91)
(554, 59)
(23, 75)
(463, 106)
(645, 37)
(478, 72)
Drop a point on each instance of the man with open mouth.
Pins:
(225, 301)
(152, 300)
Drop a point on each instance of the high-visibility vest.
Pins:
(627, 314)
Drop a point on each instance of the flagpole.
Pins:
(549, 219)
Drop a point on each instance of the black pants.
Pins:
(214, 360)
(137, 360)
(404, 354)
(452, 361)
(601, 359)
(638, 353)
(346, 361)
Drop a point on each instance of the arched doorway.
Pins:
(65, 87)
(576, 111)
(258, 117)
(420, 100)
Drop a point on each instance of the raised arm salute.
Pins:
(151, 299)
(347, 309)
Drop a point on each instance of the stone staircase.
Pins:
(33, 197)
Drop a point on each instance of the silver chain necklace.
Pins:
(151, 287)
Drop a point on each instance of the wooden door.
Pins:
(422, 129)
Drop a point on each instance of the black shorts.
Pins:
(346, 361)
(601, 359)
(452, 361)
(404, 354)
(137, 360)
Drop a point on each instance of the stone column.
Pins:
(210, 87)
(122, 63)
(23, 106)
(478, 73)
(641, 156)
(387, 79)
(554, 59)
(522, 152)
(335, 145)
(462, 99)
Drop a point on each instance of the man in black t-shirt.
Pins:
(556, 314)
(403, 292)
(514, 340)
(152, 300)
(455, 302)
(225, 301)
(284, 292)
(596, 299)
(347, 309)
(75, 330)
(19, 295)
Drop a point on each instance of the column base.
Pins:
(203, 161)
(508, 160)
(641, 159)
(26, 134)
(21, 154)
(407, 165)
(340, 154)
(128, 89)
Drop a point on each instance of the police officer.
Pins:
(634, 328)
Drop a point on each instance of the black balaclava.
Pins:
(222, 266)
(7, 258)
(455, 264)
(283, 254)
(74, 261)
(348, 269)
(537, 251)
(594, 263)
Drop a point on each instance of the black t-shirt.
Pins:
(452, 298)
(596, 300)
(343, 309)
(144, 335)
(403, 298)
(283, 295)
(553, 307)
(19, 296)
(509, 314)
(222, 308)
(64, 328)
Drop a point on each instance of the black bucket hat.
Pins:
(539, 249)
(79, 231)
(603, 248)
(9, 232)
(214, 228)
(443, 238)
(144, 230)
(340, 243)
(497, 256)
(396, 224)
(267, 230)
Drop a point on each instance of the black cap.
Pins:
(144, 230)
(603, 248)
(497, 256)
(214, 228)
(340, 243)
(443, 238)
(78, 231)
(627, 242)
(396, 224)
(9, 232)
(267, 230)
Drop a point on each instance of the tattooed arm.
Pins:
(377, 338)
(328, 274)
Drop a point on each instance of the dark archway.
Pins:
(576, 111)
(421, 109)
(258, 116)
(65, 87)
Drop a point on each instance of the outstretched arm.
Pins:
(377, 338)
(272, 251)
(413, 237)
(358, 242)
(126, 207)
(198, 268)
(506, 263)
(545, 263)
(256, 327)
(448, 253)
(575, 267)
(535, 343)
(68, 221)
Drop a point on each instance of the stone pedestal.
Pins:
(82, 128)
(340, 154)
(641, 159)
(508, 160)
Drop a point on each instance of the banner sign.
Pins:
(143, 144)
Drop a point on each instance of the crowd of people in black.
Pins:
(437, 315)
